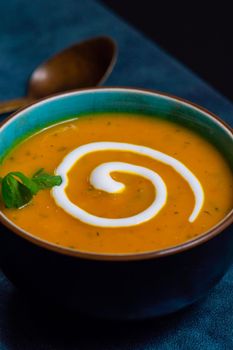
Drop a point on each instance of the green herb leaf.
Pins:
(38, 172)
(30, 184)
(14, 193)
(18, 189)
(44, 180)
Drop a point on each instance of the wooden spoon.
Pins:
(85, 64)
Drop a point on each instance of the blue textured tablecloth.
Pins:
(30, 31)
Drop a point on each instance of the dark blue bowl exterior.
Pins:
(116, 289)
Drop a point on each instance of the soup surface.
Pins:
(173, 206)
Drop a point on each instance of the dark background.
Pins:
(199, 35)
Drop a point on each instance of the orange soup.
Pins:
(131, 184)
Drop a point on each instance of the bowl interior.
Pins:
(76, 104)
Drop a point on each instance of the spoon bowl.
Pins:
(86, 64)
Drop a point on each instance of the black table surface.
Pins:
(199, 35)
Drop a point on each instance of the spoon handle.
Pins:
(12, 105)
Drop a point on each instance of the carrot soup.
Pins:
(130, 183)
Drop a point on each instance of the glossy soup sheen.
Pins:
(44, 219)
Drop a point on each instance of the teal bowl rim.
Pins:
(204, 237)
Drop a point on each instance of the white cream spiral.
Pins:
(101, 179)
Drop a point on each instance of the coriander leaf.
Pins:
(18, 189)
(38, 172)
(44, 180)
(30, 184)
(14, 193)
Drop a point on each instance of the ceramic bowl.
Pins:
(134, 286)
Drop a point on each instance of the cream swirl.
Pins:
(101, 179)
